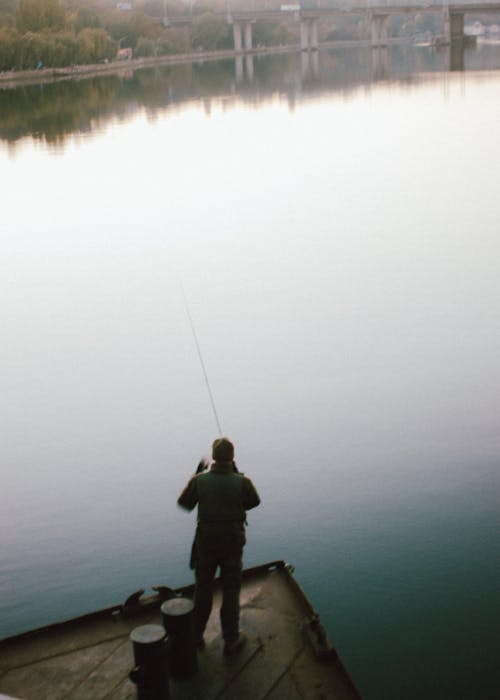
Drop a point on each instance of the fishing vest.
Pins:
(220, 498)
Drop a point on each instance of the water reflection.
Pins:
(342, 264)
(52, 112)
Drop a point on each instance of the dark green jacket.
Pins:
(222, 496)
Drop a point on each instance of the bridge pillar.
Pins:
(304, 34)
(456, 27)
(375, 29)
(446, 25)
(309, 34)
(237, 36)
(314, 43)
(380, 30)
(384, 29)
(248, 36)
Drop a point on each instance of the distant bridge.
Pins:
(308, 19)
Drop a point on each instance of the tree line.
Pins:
(42, 33)
(38, 33)
(46, 33)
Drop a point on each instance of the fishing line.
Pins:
(191, 323)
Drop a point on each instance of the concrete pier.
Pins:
(456, 27)
(248, 36)
(380, 29)
(379, 16)
(309, 34)
(238, 44)
(304, 35)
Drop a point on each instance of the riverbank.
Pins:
(45, 75)
(50, 75)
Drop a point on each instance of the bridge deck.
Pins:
(377, 9)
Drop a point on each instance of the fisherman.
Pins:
(223, 495)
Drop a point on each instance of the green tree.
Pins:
(146, 27)
(121, 29)
(63, 50)
(145, 47)
(210, 31)
(85, 17)
(32, 49)
(7, 12)
(95, 45)
(54, 15)
(164, 46)
(39, 15)
(9, 43)
(126, 28)
(174, 41)
(267, 33)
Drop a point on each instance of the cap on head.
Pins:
(222, 450)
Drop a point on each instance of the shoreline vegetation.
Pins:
(50, 40)
(42, 75)
(45, 75)
(88, 70)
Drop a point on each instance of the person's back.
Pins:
(220, 497)
(223, 496)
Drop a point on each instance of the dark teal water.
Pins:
(335, 227)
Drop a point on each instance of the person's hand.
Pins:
(202, 465)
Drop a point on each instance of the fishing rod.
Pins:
(200, 356)
(203, 465)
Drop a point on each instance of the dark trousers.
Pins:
(213, 549)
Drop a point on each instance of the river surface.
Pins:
(335, 224)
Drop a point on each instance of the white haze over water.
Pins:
(342, 265)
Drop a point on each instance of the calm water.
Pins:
(336, 227)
